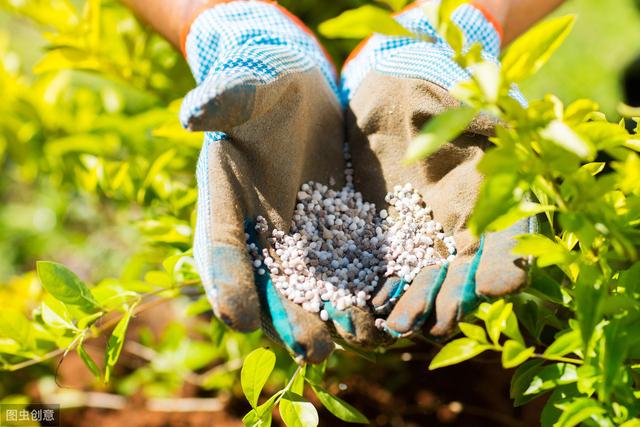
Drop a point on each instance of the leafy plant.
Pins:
(581, 170)
(294, 409)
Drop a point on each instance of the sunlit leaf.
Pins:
(474, 332)
(562, 135)
(457, 351)
(297, 412)
(438, 131)
(339, 407)
(545, 250)
(564, 344)
(65, 286)
(88, 361)
(532, 50)
(256, 369)
(578, 411)
(514, 354)
(362, 22)
(114, 345)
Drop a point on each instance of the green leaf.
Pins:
(498, 195)
(66, 58)
(578, 411)
(550, 377)
(297, 412)
(88, 320)
(339, 407)
(457, 351)
(511, 328)
(474, 332)
(362, 22)
(521, 379)
(564, 136)
(88, 361)
(613, 353)
(514, 354)
(56, 317)
(545, 286)
(438, 131)
(297, 385)
(65, 286)
(579, 111)
(455, 38)
(566, 343)
(551, 413)
(252, 419)
(15, 325)
(589, 295)
(114, 345)
(544, 249)
(447, 7)
(314, 373)
(519, 212)
(496, 319)
(218, 330)
(531, 51)
(257, 367)
(487, 74)
(261, 416)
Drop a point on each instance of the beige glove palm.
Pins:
(266, 86)
(394, 86)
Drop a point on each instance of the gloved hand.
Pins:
(266, 85)
(393, 85)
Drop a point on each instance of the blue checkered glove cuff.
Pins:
(249, 43)
(416, 58)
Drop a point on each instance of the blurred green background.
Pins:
(590, 63)
(36, 219)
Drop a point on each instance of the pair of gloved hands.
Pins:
(270, 93)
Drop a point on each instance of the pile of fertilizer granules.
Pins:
(340, 247)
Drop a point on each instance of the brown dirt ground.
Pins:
(397, 392)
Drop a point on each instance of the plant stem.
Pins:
(289, 384)
(558, 359)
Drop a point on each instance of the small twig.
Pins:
(143, 352)
(185, 405)
(558, 359)
(68, 399)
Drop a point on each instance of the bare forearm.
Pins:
(167, 17)
(517, 16)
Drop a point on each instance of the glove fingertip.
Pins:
(218, 104)
(233, 294)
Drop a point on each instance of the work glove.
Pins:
(269, 92)
(393, 86)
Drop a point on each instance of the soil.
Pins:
(405, 395)
(397, 391)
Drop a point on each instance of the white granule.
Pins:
(340, 248)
